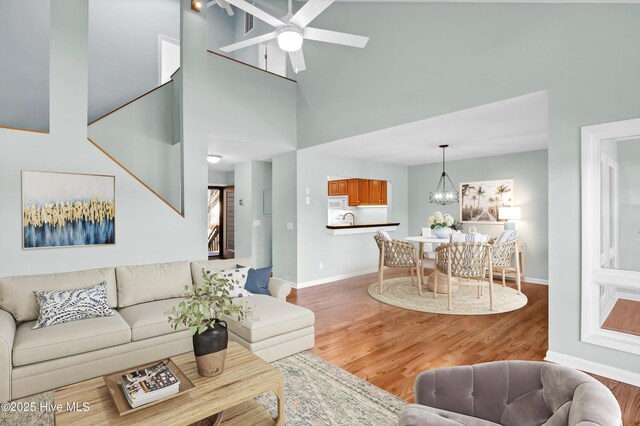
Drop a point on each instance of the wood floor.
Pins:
(389, 346)
(624, 317)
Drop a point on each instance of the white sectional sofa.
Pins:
(33, 361)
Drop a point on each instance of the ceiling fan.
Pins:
(291, 30)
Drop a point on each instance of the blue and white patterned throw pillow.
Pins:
(237, 276)
(58, 307)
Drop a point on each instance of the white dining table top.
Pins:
(419, 239)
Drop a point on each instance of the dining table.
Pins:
(422, 240)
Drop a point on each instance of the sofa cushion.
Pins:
(421, 415)
(58, 307)
(150, 319)
(17, 297)
(145, 283)
(197, 266)
(271, 317)
(76, 337)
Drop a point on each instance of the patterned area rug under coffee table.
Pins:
(402, 293)
(316, 393)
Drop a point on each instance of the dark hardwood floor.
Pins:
(389, 346)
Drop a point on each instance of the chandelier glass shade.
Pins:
(445, 192)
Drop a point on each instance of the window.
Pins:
(248, 23)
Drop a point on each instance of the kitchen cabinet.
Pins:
(337, 187)
(377, 192)
(333, 188)
(358, 192)
(342, 187)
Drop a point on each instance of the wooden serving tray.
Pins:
(120, 400)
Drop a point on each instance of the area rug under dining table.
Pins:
(316, 393)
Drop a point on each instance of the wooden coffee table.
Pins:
(245, 376)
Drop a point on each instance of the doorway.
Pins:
(220, 218)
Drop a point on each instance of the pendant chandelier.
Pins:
(444, 193)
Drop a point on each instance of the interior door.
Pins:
(228, 219)
(272, 58)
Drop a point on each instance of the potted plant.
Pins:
(201, 309)
(441, 224)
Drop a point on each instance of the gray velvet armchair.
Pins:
(511, 393)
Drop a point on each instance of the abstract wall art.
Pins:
(67, 209)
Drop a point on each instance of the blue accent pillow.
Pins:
(258, 280)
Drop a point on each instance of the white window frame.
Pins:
(594, 275)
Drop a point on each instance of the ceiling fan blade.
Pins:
(249, 42)
(297, 61)
(229, 9)
(335, 37)
(309, 12)
(258, 13)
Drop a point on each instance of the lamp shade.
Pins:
(509, 213)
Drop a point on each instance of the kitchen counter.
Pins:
(361, 228)
(363, 225)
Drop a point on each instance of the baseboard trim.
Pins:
(594, 367)
(533, 280)
(327, 280)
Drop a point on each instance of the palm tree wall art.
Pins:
(481, 199)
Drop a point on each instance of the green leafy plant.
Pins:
(203, 304)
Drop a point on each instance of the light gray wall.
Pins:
(147, 230)
(243, 224)
(140, 137)
(24, 64)
(529, 171)
(341, 254)
(261, 178)
(473, 54)
(124, 49)
(220, 29)
(285, 210)
(629, 204)
(221, 178)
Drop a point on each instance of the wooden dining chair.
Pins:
(469, 261)
(398, 254)
(502, 255)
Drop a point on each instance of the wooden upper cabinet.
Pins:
(361, 192)
(375, 192)
(378, 192)
(333, 188)
(364, 192)
(337, 187)
(342, 187)
(384, 192)
(353, 192)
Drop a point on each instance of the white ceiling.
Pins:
(509, 126)
(235, 151)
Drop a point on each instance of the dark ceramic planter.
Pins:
(210, 349)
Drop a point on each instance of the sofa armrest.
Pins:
(7, 333)
(279, 289)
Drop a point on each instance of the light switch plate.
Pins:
(257, 222)
(307, 200)
(290, 226)
(308, 190)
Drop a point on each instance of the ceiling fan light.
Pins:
(290, 39)
(214, 159)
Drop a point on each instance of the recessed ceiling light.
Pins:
(214, 159)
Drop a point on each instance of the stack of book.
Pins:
(149, 384)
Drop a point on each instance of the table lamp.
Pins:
(511, 214)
